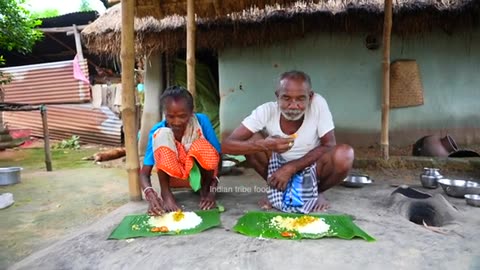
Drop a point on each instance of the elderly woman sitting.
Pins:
(183, 146)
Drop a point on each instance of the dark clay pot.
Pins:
(449, 144)
(435, 146)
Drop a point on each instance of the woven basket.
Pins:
(405, 84)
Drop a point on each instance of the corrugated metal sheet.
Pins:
(99, 126)
(78, 18)
(50, 83)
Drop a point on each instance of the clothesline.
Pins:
(18, 107)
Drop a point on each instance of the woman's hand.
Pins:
(154, 203)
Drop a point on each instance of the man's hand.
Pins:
(278, 144)
(280, 178)
(154, 204)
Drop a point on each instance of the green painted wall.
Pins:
(348, 75)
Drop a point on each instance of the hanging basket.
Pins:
(405, 84)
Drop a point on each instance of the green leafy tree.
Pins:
(46, 13)
(85, 5)
(17, 31)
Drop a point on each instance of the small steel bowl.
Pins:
(227, 166)
(429, 181)
(357, 180)
(473, 199)
(459, 188)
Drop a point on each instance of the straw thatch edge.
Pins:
(254, 28)
(203, 8)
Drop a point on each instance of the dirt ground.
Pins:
(400, 243)
(49, 205)
(78, 196)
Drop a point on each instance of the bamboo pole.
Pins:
(64, 29)
(127, 55)
(387, 31)
(191, 46)
(78, 43)
(46, 138)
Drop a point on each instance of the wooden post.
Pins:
(387, 31)
(127, 55)
(78, 43)
(46, 138)
(191, 46)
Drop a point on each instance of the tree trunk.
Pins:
(153, 90)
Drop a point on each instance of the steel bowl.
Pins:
(459, 188)
(473, 199)
(357, 180)
(227, 166)
(9, 175)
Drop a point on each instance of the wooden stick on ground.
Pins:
(107, 155)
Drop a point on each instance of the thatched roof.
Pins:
(256, 26)
(203, 8)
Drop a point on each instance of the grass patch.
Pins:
(34, 158)
(49, 205)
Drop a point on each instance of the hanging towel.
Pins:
(77, 71)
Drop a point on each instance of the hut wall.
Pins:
(348, 75)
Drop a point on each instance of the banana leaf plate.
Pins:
(257, 224)
(133, 226)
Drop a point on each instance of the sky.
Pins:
(63, 6)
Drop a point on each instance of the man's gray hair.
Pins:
(295, 75)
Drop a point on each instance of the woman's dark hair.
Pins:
(177, 93)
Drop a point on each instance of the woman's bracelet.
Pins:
(147, 189)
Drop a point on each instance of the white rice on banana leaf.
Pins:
(304, 224)
(176, 221)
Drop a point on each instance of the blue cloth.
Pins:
(207, 129)
(292, 196)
